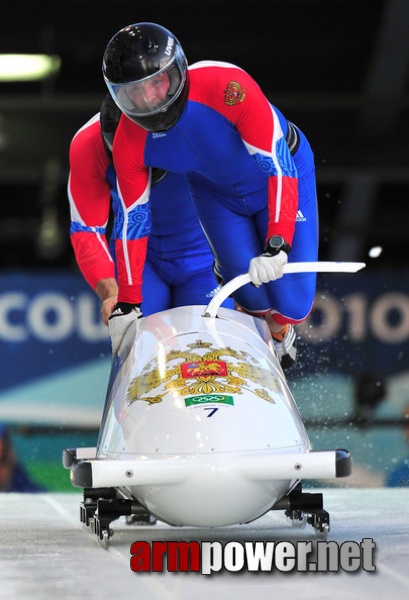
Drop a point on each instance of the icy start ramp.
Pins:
(46, 553)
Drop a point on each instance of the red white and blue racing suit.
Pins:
(178, 269)
(234, 148)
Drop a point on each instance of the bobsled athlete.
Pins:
(250, 171)
(178, 270)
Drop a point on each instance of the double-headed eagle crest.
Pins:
(234, 93)
(203, 370)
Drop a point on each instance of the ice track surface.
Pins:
(46, 553)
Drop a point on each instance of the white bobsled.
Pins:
(200, 427)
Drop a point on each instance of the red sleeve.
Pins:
(236, 95)
(133, 191)
(89, 198)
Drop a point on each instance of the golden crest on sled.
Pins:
(203, 370)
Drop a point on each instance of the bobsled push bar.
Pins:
(296, 267)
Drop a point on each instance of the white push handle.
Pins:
(296, 267)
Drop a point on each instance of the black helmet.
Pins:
(145, 70)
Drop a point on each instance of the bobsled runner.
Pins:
(200, 427)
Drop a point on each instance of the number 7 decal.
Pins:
(213, 410)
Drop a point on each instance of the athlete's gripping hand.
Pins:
(122, 316)
(108, 307)
(265, 268)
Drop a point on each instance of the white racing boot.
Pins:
(285, 343)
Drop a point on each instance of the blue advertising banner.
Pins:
(359, 324)
(48, 322)
(51, 321)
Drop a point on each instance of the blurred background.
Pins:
(339, 69)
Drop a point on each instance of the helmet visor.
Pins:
(151, 95)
